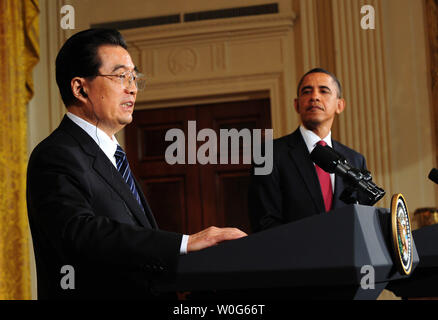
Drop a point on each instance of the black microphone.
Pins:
(433, 175)
(331, 161)
(327, 158)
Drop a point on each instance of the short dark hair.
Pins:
(78, 58)
(321, 70)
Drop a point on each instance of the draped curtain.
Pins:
(19, 52)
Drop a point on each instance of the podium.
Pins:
(325, 256)
(423, 283)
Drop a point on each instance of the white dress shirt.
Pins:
(109, 146)
(311, 139)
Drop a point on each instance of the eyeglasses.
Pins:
(126, 79)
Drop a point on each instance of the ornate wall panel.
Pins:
(431, 10)
(230, 57)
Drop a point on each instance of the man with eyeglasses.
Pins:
(86, 210)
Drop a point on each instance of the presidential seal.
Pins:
(401, 234)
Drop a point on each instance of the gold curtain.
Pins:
(19, 52)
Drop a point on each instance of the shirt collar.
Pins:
(107, 144)
(311, 138)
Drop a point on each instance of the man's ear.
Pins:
(341, 106)
(296, 105)
(77, 87)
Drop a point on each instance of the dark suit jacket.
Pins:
(82, 213)
(292, 190)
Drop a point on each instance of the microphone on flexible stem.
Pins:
(357, 180)
(433, 175)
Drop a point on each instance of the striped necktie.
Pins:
(125, 171)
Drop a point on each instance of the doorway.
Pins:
(187, 198)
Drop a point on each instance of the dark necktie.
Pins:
(326, 184)
(125, 171)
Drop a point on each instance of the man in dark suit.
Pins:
(296, 188)
(86, 211)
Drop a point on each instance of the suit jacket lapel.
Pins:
(145, 203)
(339, 183)
(301, 157)
(103, 166)
(109, 173)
